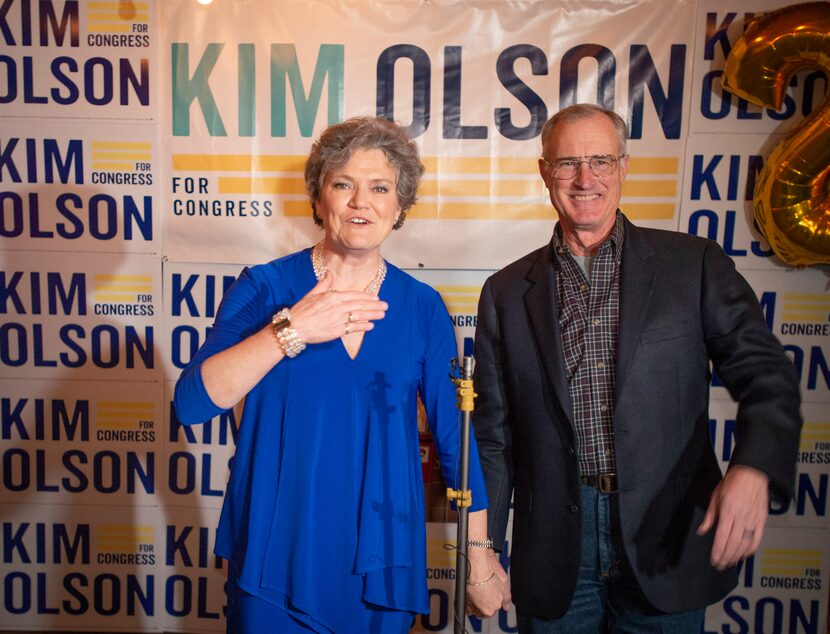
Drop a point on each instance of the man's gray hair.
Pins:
(584, 111)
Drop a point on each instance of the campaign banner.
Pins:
(84, 188)
(796, 306)
(197, 457)
(79, 60)
(83, 567)
(84, 317)
(460, 289)
(149, 150)
(715, 111)
(808, 508)
(253, 84)
(192, 295)
(191, 578)
(781, 589)
(718, 188)
(70, 443)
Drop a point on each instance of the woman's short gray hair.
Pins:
(338, 143)
(584, 111)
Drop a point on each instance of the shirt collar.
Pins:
(560, 249)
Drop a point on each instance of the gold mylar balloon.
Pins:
(792, 205)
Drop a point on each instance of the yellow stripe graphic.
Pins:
(472, 290)
(813, 433)
(806, 307)
(112, 166)
(107, 277)
(124, 298)
(791, 552)
(120, 288)
(137, 529)
(116, 5)
(649, 211)
(109, 28)
(123, 414)
(251, 185)
(141, 406)
(649, 188)
(116, 424)
(486, 165)
(238, 163)
(105, 287)
(113, 15)
(100, 155)
(121, 145)
(460, 299)
(451, 190)
(638, 165)
(123, 538)
(485, 188)
(805, 317)
(785, 571)
(472, 211)
(807, 297)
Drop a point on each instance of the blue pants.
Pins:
(607, 596)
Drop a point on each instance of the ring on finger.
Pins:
(347, 328)
(351, 316)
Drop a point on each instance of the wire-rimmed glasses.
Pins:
(601, 165)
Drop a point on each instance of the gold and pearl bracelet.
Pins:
(287, 337)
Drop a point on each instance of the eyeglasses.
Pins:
(601, 165)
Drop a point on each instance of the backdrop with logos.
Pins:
(151, 149)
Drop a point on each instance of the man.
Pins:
(593, 362)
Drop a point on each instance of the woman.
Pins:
(323, 520)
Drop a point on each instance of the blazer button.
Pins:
(573, 508)
(571, 451)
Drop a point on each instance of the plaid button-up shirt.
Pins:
(589, 318)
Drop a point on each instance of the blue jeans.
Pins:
(608, 597)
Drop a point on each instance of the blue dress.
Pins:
(324, 511)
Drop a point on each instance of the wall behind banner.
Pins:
(149, 150)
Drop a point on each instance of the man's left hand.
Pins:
(738, 512)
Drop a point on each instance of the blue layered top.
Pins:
(325, 503)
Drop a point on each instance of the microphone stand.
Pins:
(463, 495)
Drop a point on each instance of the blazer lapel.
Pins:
(636, 282)
(541, 303)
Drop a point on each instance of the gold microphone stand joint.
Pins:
(463, 499)
(464, 401)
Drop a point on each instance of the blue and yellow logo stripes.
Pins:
(481, 188)
(814, 433)
(120, 288)
(123, 538)
(650, 189)
(460, 300)
(120, 156)
(471, 188)
(115, 16)
(123, 414)
(789, 562)
(806, 307)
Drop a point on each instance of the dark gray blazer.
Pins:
(682, 306)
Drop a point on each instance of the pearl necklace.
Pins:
(318, 263)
